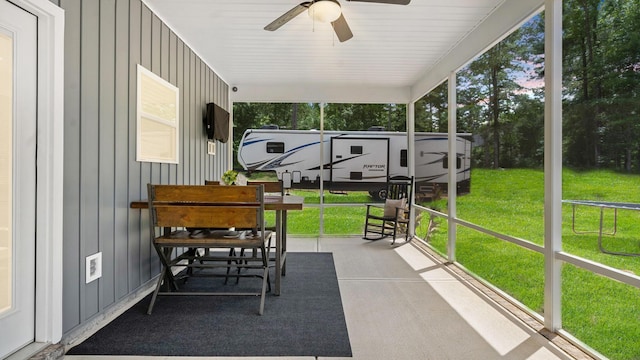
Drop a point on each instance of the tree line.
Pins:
(500, 96)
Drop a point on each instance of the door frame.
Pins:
(49, 168)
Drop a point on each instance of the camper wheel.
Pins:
(379, 194)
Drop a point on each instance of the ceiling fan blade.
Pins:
(393, 2)
(288, 16)
(341, 28)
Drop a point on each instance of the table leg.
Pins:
(284, 243)
(279, 228)
(600, 232)
(573, 222)
(614, 231)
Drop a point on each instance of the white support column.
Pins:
(231, 127)
(411, 159)
(453, 176)
(553, 164)
(322, 159)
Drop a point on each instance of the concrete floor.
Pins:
(402, 303)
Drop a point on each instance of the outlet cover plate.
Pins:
(93, 267)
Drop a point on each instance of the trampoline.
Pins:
(602, 205)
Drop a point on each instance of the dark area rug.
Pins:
(305, 320)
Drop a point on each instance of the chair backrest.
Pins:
(202, 206)
(400, 187)
(399, 194)
(270, 186)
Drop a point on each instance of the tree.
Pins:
(363, 116)
(488, 89)
(619, 25)
(582, 80)
(602, 80)
(431, 110)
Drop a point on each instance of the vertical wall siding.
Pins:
(71, 216)
(104, 42)
(106, 149)
(122, 237)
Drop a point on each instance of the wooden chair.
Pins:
(274, 187)
(393, 218)
(270, 187)
(232, 251)
(207, 207)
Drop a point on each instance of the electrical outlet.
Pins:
(93, 267)
(211, 147)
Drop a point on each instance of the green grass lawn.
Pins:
(603, 313)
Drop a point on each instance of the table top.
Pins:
(271, 202)
(605, 204)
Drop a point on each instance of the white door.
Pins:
(18, 70)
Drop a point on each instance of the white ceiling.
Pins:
(397, 52)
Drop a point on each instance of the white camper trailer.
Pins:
(354, 160)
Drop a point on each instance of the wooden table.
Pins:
(280, 204)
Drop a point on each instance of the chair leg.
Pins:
(367, 230)
(366, 226)
(191, 252)
(268, 282)
(395, 229)
(155, 292)
(232, 252)
(406, 233)
(382, 231)
(240, 262)
(265, 281)
(269, 245)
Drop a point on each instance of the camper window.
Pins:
(275, 147)
(356, 149)
(445, 162)
(403, 158)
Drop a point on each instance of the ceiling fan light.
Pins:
(324, 10)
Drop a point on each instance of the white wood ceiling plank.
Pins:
(393, 46)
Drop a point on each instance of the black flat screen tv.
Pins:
(216, 123)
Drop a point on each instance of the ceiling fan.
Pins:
(326, 11)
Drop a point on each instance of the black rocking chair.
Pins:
(393, 218)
